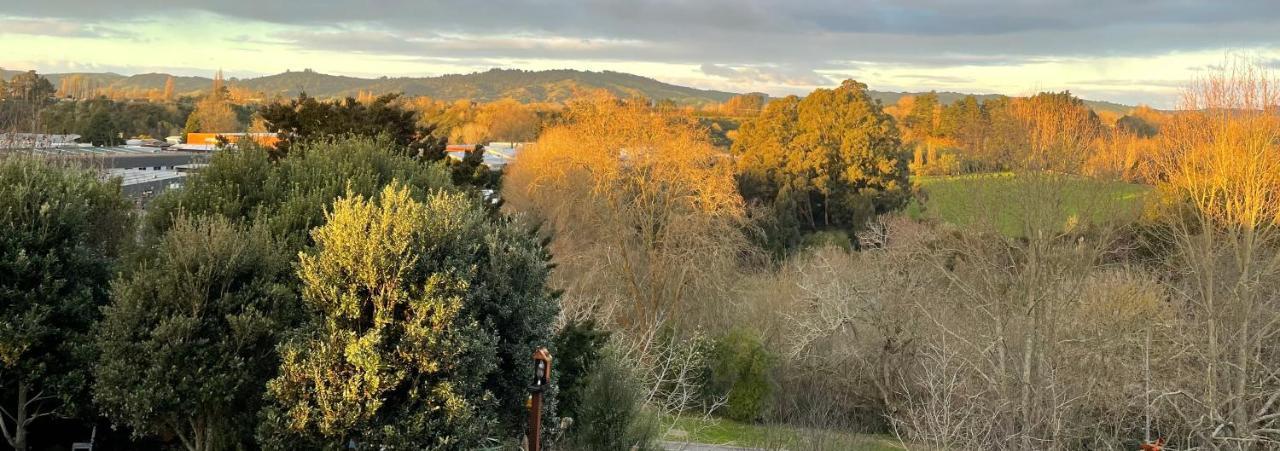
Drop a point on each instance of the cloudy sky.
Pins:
(1133, 51)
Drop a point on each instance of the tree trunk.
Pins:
(19, 440)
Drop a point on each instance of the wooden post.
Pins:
(541, 377)
(535, 422)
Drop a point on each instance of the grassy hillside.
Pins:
(1004, 202)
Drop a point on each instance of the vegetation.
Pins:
(214, 112)
(829, 161)
(22, 99)
(644, 189)
(997, 201)
(290, 195)
(188, 343)
(1064, 278)
(611, 412)
(739, 367)
(431, 308)
(718, 431)
(61, 229)
(101, 121)
(579, 346)
(307, 119)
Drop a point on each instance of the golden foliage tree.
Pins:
(503, 120)
(213, 114)
(646, 217)
(168, 89)
(1060, 131)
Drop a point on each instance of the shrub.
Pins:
(427, 312)
(188, 343)
(578, 348)
(291, 194)
(740, 370)
(610, 410)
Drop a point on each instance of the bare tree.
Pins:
(1222, 168)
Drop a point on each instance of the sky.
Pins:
(1128, 51)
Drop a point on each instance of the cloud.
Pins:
(767, 75)
(751, 42)
(366, 40)
(58, 28)
(767, 31)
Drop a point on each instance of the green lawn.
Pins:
(718, 431)
(1005, 202)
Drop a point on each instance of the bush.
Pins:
(577, 346)
(291, 194)
(426, 314)
(610, 409)
(740, 370)
(211, 300)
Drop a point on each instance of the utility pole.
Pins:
(541, 377)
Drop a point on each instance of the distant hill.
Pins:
(948, 97)
(495, 84)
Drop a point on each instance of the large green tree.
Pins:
(188, 343)
(307, 119)
(291, 194)
(60, 230)
(828, 161)
(425, 313)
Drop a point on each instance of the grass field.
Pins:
(717, 431)
(1006, 202)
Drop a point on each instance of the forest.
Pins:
(826, 271)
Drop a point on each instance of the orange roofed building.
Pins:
(211, 139)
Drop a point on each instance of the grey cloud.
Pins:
(1128, 26)
(780, 40)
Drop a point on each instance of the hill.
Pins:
(948, 97)
(494, 84)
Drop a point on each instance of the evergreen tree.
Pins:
(425, 315)
(60, 230)
(188, 343)
(306, 119)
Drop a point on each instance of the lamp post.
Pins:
(541, 377)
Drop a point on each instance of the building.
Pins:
(209, 141)
(142, 185)
(496, 154)
(11, 141)
(144, 172)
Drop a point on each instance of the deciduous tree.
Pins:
(650, 220)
